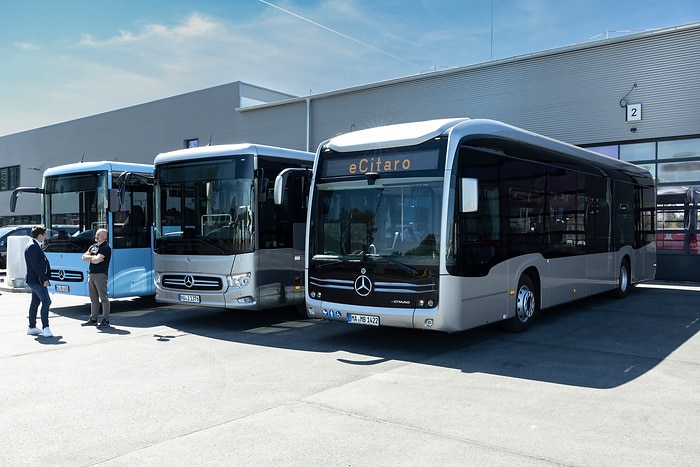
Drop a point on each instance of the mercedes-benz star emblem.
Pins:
(61, 274)
(189, 281)
(363, 285)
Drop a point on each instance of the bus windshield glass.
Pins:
(74, 208)
(394, 219)
(205, 207)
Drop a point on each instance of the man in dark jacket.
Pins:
(38, 280)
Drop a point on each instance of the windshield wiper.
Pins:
(55, 245)
(221, 250)
(388, 259)
(189, 243)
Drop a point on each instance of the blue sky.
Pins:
(62, 60)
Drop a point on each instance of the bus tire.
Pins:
(301, 310)
(623, 281)
(526, 306)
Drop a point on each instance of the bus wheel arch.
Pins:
(624, 279)
(527, 302)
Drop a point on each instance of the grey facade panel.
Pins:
(573, 95)
(282, 126)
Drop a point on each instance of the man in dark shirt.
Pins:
(98, 255)
(38, 280)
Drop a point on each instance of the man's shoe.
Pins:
(90, 322)
(46, 332)
(33, 331)
(103, 324)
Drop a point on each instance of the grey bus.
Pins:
(457, 223)
(221, 240)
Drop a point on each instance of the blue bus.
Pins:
(76, 200)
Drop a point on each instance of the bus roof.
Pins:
(231, 150)
(391, 136)
(408, 134)
(81, 167)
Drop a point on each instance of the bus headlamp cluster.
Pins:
(239, 280)
(426, 303)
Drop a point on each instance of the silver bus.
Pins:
(221, 240)
(456, 223)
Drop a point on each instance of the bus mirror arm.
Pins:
(470, 195)
(15, 194)
(281, 181)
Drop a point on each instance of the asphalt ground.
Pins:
(600, 382)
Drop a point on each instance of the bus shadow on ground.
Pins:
(596, 342)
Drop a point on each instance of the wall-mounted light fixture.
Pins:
(623, 101)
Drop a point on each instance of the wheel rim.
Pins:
(624, 279)
(526, 303)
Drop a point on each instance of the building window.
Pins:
(610, 151)
(679, 149)
(192, 143)
(9, 178)
(638, 152)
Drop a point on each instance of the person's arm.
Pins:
(97, 259)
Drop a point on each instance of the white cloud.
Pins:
(27, 46)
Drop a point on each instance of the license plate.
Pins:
(367, 320)
(188, 298)
(63, 288)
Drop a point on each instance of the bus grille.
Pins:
(192, 282)
(378, 286)
(65, 275)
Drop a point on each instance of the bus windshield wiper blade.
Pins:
(221, 250)
(327, 264)
(177, 243)
(390, 260)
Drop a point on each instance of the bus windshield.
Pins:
(395, 219)
(205, 207)
(74, 208)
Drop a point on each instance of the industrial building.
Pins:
(634, 97)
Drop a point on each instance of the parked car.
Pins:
(10, 231)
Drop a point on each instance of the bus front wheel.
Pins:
(525, 306)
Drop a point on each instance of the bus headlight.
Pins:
(239, 280)
(157, 278)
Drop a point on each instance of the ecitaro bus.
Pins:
(456, 223)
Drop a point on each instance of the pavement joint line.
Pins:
(437, 434)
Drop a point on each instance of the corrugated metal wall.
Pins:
(572, 94)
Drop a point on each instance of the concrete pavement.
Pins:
(598, 382)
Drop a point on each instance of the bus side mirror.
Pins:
(470, 195)
(281, 181)
(15, 194)
(114, 200)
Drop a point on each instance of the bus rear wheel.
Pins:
(525, 306)
(623, 281)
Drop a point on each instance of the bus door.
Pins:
(132, 239)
